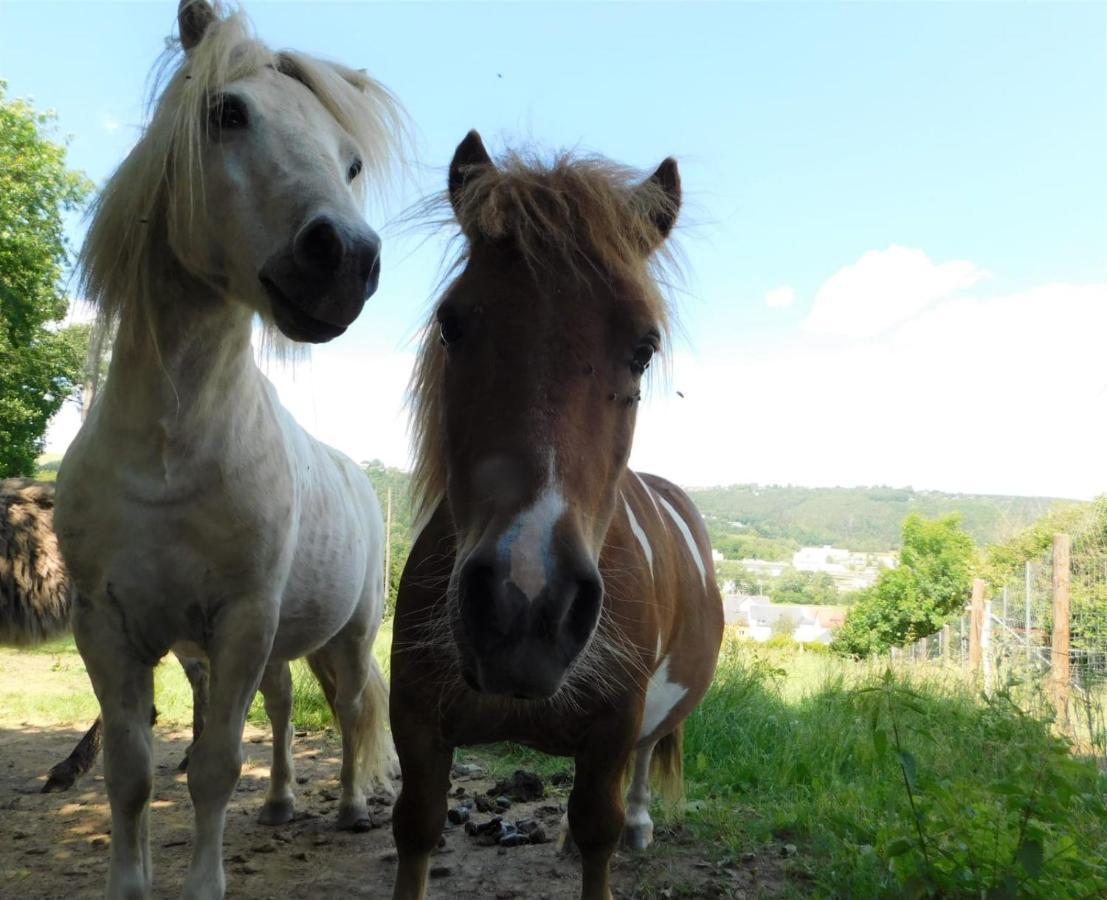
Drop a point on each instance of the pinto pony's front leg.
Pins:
(244, 637)
(596, 811)
(421, 807)
(124, 686)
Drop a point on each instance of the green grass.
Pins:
(802, 748)
(66, 697)
(820, 752)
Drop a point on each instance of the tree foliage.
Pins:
(930, 584)
(794, 586)
(40, 364)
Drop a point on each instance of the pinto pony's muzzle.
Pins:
(519, 644)
(318, 285)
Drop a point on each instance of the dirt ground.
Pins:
(56, 845)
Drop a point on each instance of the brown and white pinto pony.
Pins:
(553, 597)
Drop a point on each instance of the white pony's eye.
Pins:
(354, 170)
(229, 113)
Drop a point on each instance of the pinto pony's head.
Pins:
(251, 177)
(526, 395)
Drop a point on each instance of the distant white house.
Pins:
(764, 567)
(821, 559)
(809, 624)
(850, 570)
(753, 616)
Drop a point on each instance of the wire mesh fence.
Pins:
(1043, 628)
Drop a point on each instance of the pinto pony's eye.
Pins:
(354, 170)
(643, 354)
(449, 326)
(228, 113)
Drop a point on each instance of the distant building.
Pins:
(764, 567)
(821, 559)
(755, 618)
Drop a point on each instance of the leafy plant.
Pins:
(969, 835)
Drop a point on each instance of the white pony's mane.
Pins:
(161, 178)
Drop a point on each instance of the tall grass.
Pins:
(894, 784)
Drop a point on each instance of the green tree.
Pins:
(40, 364)
(930, 584)
(804, 587)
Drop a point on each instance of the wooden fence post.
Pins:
(945, 642)
(1059, 657)
(977, 623)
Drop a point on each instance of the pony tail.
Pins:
(376, 753)
(667, 766)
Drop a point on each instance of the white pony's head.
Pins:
(253, 173)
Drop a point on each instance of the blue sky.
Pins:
(896, 230)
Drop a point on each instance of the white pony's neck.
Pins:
(181, 379)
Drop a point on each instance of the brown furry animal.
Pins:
(35, 593)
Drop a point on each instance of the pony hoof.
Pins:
(637, 837)
(277, 812)
(58, 782)
(355, 819)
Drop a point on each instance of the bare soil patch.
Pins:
(56, 845)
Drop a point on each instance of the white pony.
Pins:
(192, 511)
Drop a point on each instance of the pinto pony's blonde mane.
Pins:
(160, 183)
(578, 216)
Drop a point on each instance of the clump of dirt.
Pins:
(522, 787)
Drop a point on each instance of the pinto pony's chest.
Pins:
(648, 664)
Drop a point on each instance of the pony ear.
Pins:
(193, 19)
(661, 193)
(469, 158)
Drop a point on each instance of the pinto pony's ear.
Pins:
(193, 19)
(470, 158)
(659, 195)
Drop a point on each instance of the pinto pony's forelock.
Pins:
(578, 217)
(159, 186)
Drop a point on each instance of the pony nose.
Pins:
(319, 247)
(368, 252)
(519, 645)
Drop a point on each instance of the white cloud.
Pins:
(884, 288)
(110, 123)
(999, 395)
(780, 297)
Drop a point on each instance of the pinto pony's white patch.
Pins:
(525, 546)
(662, 696)
(646, 488)
(688, 539)
(640, 535)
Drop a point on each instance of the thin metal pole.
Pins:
(1027, 604)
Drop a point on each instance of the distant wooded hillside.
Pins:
(776, 519)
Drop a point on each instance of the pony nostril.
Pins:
(319, 246)
(369, 260)
(476, 597)
(584, 608)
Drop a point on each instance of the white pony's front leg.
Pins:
(276, 687)
(124, 686)
(244, 636)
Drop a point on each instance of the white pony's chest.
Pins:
(135, 514)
